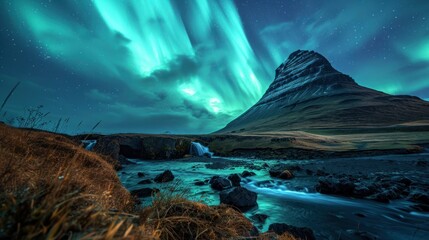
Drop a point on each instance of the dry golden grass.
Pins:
(52, 188)
(36, 159)
(174, 217)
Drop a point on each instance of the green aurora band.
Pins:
(193, 66)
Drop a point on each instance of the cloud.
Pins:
(97, 95)
(197, 111)
(180, 67)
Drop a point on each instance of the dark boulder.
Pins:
(286, 174)
(385, 196)
(333, 185)
(235, 180)
(422, 163)
(140, 174)
(283, 171)
(144, 192)
(247, 174)
(419, 197)
(298, 232)
(166, 176)
(219, 183)
(401, 180)
(320, 172)
(240, 198)
(199, 183)
(362, 191)
(146, 181)
(276, 170)
(259, 218)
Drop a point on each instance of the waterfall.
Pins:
(89, 144)
(199, 150)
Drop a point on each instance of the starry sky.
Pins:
(191, 66)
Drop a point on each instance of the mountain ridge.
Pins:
(309, 93)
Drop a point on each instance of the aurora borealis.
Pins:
(186, 66)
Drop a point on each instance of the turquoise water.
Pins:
(294, 202)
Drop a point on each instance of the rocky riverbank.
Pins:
(328, 196)
(272, 145)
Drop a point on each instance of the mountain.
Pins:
(309, 94)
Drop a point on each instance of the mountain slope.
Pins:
(308, 93)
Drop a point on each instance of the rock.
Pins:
(332, 185)
(247, 174)
(384, 196)
(321, 173)
(362, 191)
(144, 192)
(298, 232)
(419, 197)
(108, 146)
(401, 179)
(143, 147)
(124, 161)
(146, 181)
(140, 174)
(240, 198)
(164, 147)
(286, 174)
(422, 163)
(207, 155)
(235, 180)
(199, 183)
(259, 218)
(276, 170)
(309, 172)
(265, 165)
(166, 176)
(283, 171)
(361, 234)
(219, 183)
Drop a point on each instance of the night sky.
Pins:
(180, 66)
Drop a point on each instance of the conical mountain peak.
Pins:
(304, 75)
(307, 92)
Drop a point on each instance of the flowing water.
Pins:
(294, 202)
(89, 144)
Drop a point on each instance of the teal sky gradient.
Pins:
(193, 66)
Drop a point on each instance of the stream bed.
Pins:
(295, 201)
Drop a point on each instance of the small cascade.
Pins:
(197, 149)
(89, 144)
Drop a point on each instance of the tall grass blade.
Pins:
(95, 126)
(58, 125)
(8, 96)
